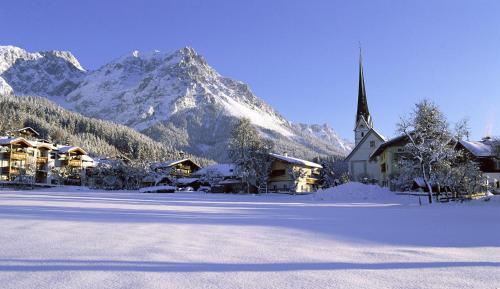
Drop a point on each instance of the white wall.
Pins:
(359, 164)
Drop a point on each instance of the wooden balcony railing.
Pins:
(75, 163)
(42, 160)
(18, 156)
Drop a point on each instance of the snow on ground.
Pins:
(69, 238)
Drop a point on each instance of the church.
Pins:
(366, 139)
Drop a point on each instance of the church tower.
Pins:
(364, 120)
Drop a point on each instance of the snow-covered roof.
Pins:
(399, 140)
(170, 163)
(229, 181)
(297, 161)
(478, 148)
(40, 144)
(225, 170)
(86, 158)
(11, 140)
(186, 181)
(68, 149)
(32, 130)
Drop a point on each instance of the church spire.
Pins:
(362, 112)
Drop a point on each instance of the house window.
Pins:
(362, 134)
(277, 173)
(372, 144)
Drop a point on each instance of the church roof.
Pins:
(362, 111)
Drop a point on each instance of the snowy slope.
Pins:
(5, 87)
(143, 89)
(65, 238)
(173, 97)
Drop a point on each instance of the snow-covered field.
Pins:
(343, 238)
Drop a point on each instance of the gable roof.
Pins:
(372, 130)
(394, 141)
(170, 163)
(28, 128)
(296, 161)
(69, 149)
(39, 144)
(225, 170)
(479, 148)
(14, 140)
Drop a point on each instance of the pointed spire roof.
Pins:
(362, 112)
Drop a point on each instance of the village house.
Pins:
(293, 174)
(483, 152)
(26, 158)
(221, 178)
(178, 168)
(173, 172)
(366, 140)
(388, 154)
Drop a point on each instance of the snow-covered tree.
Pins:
(62, 174)
(496, 147)
(118, 175)
(407, 173)
(430, 142)
(334, 170)
(211, 177)
(27, 173)
(250, 153)
(296, 173)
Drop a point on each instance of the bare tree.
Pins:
(296, 173)
(250, 154)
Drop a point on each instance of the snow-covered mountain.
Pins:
(172, 97)
(51, 73)
(5, 88)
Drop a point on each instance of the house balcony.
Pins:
(75, 163)
(311, 181)
(42, 160)
(18, 156)
(11, 170)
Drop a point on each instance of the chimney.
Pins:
(285, 154)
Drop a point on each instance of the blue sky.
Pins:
(299, 56)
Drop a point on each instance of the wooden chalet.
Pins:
(25, 158)
(306, 174)
(178, 168)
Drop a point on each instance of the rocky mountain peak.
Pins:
(188, 102)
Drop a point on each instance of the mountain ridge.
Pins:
(174, 97)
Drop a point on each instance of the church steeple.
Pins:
(364, 120)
